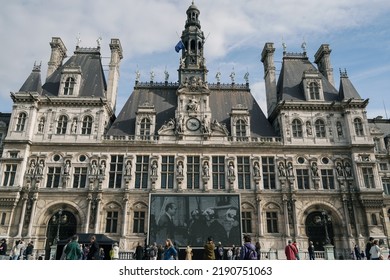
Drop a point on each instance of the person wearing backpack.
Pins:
(248, 250)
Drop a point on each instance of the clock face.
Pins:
(193, 124)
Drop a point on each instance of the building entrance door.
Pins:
(319, 229)
(60, 226)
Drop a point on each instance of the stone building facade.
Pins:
(314, 169)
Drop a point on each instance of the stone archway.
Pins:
(317, 227)
(66, 230)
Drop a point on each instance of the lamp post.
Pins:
(58, 219)
(325, 220)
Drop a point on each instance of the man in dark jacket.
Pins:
(368, 247)
(93, 253)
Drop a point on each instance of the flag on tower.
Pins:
(179, 46)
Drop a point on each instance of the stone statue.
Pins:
(180, 169)
(31, 169)
(154, 168)
(314, 169)
(94, 168)
(282, 171)
(256, 169)
(231, 169)
(103, 167)
(290, 171)
(67, 168)
(206, 168)
(128, 168)
(339, 170)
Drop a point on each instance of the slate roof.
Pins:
(347, 90)
(33, 82)
(93, 79)
(164, 99)
(290, 86)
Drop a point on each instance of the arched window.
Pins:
(314, 91)
(69, 86)
(144, 130)
(62, 124)
(320, 128)
(21, 122)
(296, 128)
(87, 125)
(240, 128)
(358, 127)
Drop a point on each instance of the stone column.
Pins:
(23, 214)
(33, 209)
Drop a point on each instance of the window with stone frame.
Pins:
(296, 128)
(243, 173)
(320, 128)
(86, 127)
(327, 178)
(368, 177)
(139, 222)
(69, 86)
(53, 177)
(144, 129)
(3, 218)
(303, 178)
(116, 172)
(357, 123)
(314, 91)
(386, 185)
(246, 220)
(9, 175)
(62, 124)
(141, 172)
(240, 128)
(272, 221)
(218, 172)
(193, 172)
(80, 177)
(374, 220)
(21, 122)
(268, 173)
(112, 222)
(167, 172)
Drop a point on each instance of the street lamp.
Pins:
(325, 220)
(59, 219)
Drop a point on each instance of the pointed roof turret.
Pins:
(347, 90)
(193, 16)
(33, 82)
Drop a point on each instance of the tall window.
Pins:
(296, 128)
(87, 125)
(240, 128)
(246, 222)
(3, 217)
(69, 86)
(218, 172)
(62, 124)
(314, 91)
(320, 129)
(112, 222)
(193, 172)
(53, 177)
(144, 130)
(167, 171)
(139, 222)
(21, 122)
(303, 179)
(327, 178)
(244, 173)
(386, 185)
(141, 172)
(80, 177)
(268, 166)
(272, 222)
(9, 175)
(368, 177)
(358, 127)
(116, 170)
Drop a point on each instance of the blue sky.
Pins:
(356, 30)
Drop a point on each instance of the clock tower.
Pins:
(193, 114)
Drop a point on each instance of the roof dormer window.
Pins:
(314, 91)
(69, 86)
(70, 81)
(312, 85)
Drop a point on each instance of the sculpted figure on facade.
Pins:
(256, 169)
(32, 167)
(282, 170)
(180, 168)
(206, 168)
(128, 168)
(314, 169)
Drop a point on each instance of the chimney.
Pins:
(113, 75)
(267, 58)
(58, 53)
(322, 59)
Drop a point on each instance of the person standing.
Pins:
(139, 252)
(188, 253)
(93, 253)
(170, 252)
(310, 249)
(368, 248)
(115, 252)
(248, 250)
(375, 251)
(356, 251)
(29, 250)
(153, 251)
(290, 251)
(73, 249)
(258, 250)
(3, 247)
(220, 251)
(297, 250)
(209, 249)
